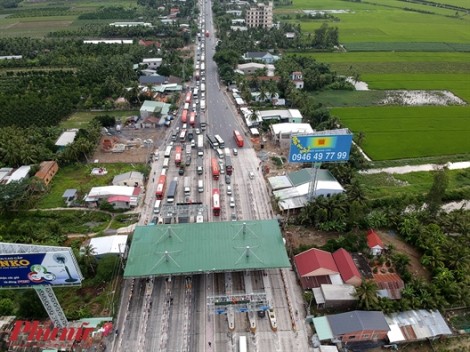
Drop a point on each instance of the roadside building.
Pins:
(335, 296)
(346, 267)
(282, 132)
(131, 178)
(316, 267)
(154, 109)
(292, 190)
(262, 56)
(130, 24)
(121, 197)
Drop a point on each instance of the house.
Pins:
(47, 170)
(297, 78)
(374, 243)
(152, 63)
(283, 115)
(152, 79)
(154, 108)
(102, 246)
(316, 267)
(292, 190)
(335, 296)
(148, 43)
(69, 196)
(109, 41)
(250, 68)
(352, 326)
(122, 197)
(290, 35)
(131, 178)
(346, 267)
(5, 173)
(416, 325)
(389, 285)
(263, 56)
(260, 15)
(19, 174)
(66, 138)
(282, 132)
(238, 28)
(236, 13)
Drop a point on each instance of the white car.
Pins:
(198, 131)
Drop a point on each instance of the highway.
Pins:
(171, 314)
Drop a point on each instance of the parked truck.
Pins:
(187, 186)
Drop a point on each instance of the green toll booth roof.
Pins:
(179, 249)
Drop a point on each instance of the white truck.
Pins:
(203, 104)
(200, 145)
(187, 186)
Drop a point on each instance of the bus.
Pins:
(195, 93)
(242, 345)
(216, 201)
(187, 99)
(192, 118)
(238, 138)
(184, 116)
(160, 193)
(171, 194)
(212, 141)
(178, 153)
(228, 165)
(220, 141)
(183, 136)
(215, 168)
(168, 151)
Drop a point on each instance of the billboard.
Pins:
(319, 148)
(28, 270)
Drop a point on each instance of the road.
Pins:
(171, 314)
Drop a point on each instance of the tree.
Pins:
(367, 295)
(437, 191)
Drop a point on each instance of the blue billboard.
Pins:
(28, 270)
(320, 148)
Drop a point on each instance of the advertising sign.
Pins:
(320, 148)
(28, 270)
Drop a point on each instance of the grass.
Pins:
(78, 177)
(415, 183)
(335, 98)
(409, 132)
(81, 118)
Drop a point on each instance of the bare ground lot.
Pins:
(136, 151)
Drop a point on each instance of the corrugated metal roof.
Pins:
(358, 320)
(19, 174)
(279, 182)
(66, 138)
(291, 128)
(205, 247)
(323, 329)
(338, 292)
(306, 175)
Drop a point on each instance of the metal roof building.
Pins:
(292, 189)
(66, 138)
(182, 249)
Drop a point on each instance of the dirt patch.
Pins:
(138, 144)
(297, 236)
(415, 267)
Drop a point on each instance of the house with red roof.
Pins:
(316, 267)
(374, 243)
(347, 268)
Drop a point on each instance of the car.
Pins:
(171, 144)
(229, 190)
(173, 137)
(233, 217)
(194, 106)
(232, 202)
(261, 313)
(235, 151)
(198, 131)
(177, 129)
(251, 175)
(185, 126)
(188, 160)
(228, 179)
(181, 171)
(193, 143)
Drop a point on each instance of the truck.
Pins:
(203, 87)
(200, 186)
(199, 167)
(190, 133)
(178, 155)
(188, 149)
(200, 145)
(203, 104)
(187, 186)
(171, 194)
(228, 165)
(202, 120)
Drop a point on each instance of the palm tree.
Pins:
(367, 295)
(89, 258)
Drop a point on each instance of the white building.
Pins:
(131, 178)
(121, 197)
(66, 138)
(130, 24)
(292, 190)
(282, 132)
(19, 174)
(108, 245)
(152, 63)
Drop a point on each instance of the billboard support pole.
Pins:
(51, 305)
(312, 187)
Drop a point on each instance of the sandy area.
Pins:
(421, 97)
(414, 168)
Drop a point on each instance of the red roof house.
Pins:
(314, 267)
(374, 243)
(346, 267)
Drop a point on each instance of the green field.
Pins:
(81, 118)
(409, 132)
(26, 20)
